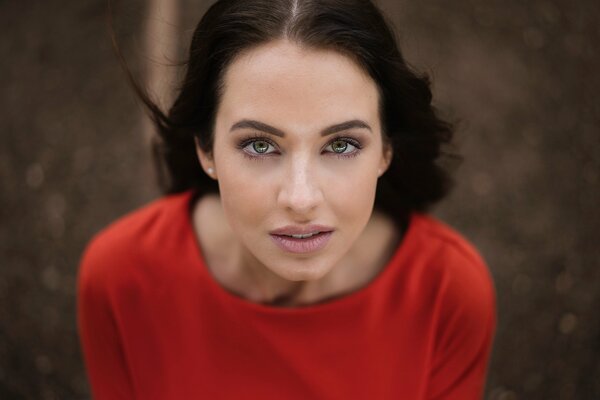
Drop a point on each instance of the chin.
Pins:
(305, 271)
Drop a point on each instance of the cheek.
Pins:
(245, 194)
(355, 197)
(350, 191)
(245, 201)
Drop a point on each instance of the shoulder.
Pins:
(462, 309)
(453, 266)
(445, 239)
(447, 250)
(132, 238)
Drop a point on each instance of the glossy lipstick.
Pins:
(302, 239)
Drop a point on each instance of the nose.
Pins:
(300, 192)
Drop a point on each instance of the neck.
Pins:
(263, 286)
(238, 271)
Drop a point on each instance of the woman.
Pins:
(290, 257)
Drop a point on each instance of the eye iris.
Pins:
(260, 146)
(339, 146)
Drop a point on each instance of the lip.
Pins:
(301, 229)
(300, 246)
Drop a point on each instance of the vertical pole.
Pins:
(161, 49)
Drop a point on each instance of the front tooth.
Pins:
(303, 236)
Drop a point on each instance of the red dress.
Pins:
(154, 324)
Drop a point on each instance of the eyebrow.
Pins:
(260, 126)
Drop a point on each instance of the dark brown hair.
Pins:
(415, 179)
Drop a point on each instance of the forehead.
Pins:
(283, 82)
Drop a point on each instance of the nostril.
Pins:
(300, 199)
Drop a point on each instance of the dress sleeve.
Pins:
(467, 321)
(99, 337)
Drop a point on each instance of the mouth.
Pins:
(305, 236)
(302, 239)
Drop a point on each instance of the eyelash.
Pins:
(257, 137)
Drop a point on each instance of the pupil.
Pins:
(260, 147)
(340, 146)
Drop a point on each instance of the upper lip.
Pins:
(300, 229)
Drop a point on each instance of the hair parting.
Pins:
(419, 139)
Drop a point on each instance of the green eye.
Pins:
(260, 146)
(339, 146)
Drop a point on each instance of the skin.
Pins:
(298, 180)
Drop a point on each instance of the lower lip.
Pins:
(308, 245)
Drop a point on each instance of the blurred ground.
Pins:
(522, 78)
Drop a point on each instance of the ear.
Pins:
(206, 160)
(386, 159)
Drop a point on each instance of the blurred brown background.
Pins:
(522, 78)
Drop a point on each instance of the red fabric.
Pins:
(154, 324)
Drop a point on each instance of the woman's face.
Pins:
(297, 151)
